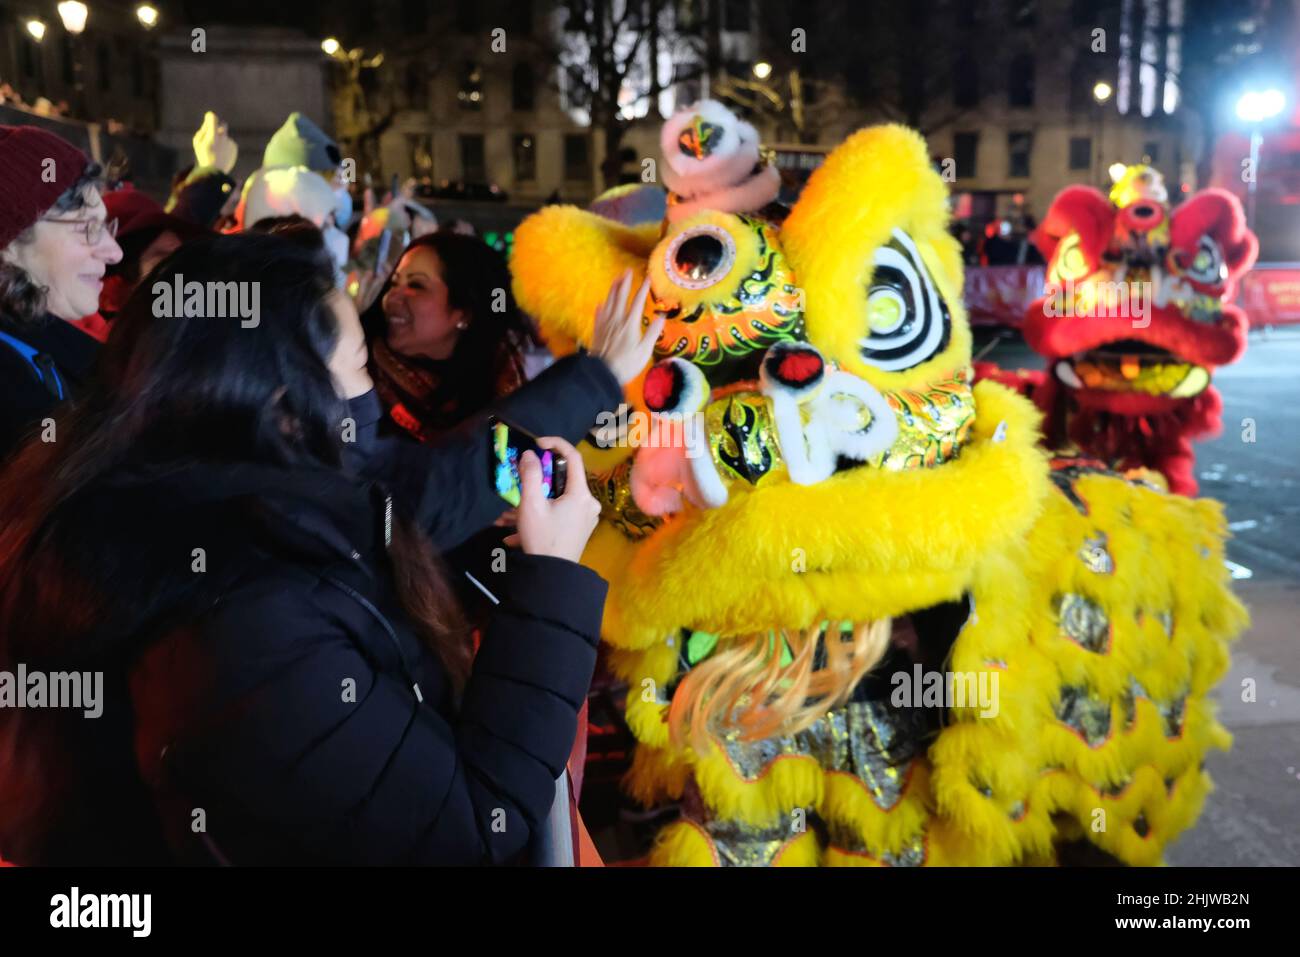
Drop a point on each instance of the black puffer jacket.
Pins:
(275, 706)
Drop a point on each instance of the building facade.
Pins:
(1073, 89)
(489, 103)
(106, 74)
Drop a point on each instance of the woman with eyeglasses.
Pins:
(55, 244)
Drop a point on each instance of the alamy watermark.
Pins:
(74, 909)
(54, 689)
(919, 688)
(208, 300)
(1100, 300)
(632, 428)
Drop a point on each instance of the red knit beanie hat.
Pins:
(36, 168)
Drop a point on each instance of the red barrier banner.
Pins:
(999, 295)
(1271, 295)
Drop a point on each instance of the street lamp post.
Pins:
(1256, 107)
(73, 13)
(1100, 94)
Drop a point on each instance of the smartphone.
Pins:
(508, 443)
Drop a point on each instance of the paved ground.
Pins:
(1253, 818)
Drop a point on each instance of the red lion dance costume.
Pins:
(1136, 317)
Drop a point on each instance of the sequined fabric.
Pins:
(1095, 556)
(879, 754)
(741, 845)
(913, 853)
(933, 424)
(1083, 622)
(1086, 714)
(742, 438)
(613, 490)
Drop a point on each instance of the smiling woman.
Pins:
(446, 336)
(55, 244)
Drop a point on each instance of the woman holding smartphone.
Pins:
(285, 676)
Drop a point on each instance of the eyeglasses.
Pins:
(92, 229)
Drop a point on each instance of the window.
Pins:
(525, 150)
(472, 167)
(31, 57)
(1081, 83)
(523, 88)
(470, 94)
(467, 15)
(965, 148)
(966, 80)
(138, 80)
(421, 145)
(415, 16)
(69, 59)
(520, 17)
(417, 85)
(104, 60)
(1019, 145)
(1080, 152)
(577, 157)
(735, 15)
(1020, 81)
(1151, 152)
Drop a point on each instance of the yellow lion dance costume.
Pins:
(831, 546)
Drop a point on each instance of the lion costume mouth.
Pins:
(1130, 365)
(865, 543)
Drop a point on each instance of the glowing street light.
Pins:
(73, 14)
(762, 69)
(37, 29)
(1255, 107)
(330, 46)
(1102, 91)
(147, 15)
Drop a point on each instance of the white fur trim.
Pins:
(809, 456)
(749, 197)
(711, 111)
(859, 445)
(707, 491)
(723, 171)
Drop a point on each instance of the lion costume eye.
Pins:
(700, 257)
(1070, 263)
(1208, 266)
(906, 317)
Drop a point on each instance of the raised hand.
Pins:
(617, 335)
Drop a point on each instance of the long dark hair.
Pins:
(478, 281)
(180, 391)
